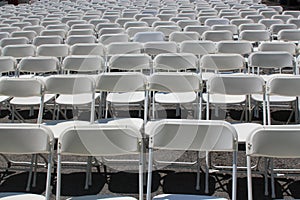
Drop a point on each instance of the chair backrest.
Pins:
(56, 50)
(228, 27)
(269, 22)
(275, 28)
(69, 84)
(30, 35)
(88, 49)
(200, 29)
(175, 61)
(284, 85)
(232, 84)
(289, 35)
(51, 39)
(83, 63)
(148, 37)
(271, 59)
(197, 48)
(238, 22)
(168, 82)
(41, 64)
(107, 39)
(74, 39)
(167, 29)
(14, 41)
(255, 35)
(217, 36)
(222, 62)
(183, 36)
(204, 135)
(80, 32)
(251, 26)
(95, 140)
(19, 51)
(124, 48)
(295, 21)
(155, 48)
(289, 47)
(7, 64)
(121, 82)
(131, 31)
(214, 21)
(129, 62)
(57, 32)
(239, 47)
(104, 31)
(274, 142)
(21, 87)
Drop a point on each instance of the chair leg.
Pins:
(35, 171)
(149, 183)
(88, 171)
(234, 178)
(249, 178)
(30, 174)
(266, 176)
(48, 183)
(198, 173)
(207, 161)
(58, 182)
(141, 175)
(272, 177)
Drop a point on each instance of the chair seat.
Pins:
(184, 196)
(57, 127)
(20, 196)
(4, 98)
(224, 99)
(126, 97)
(78, 99)
(96, 197)
(135, 122)
(277, 99)
(30, 100)
(244, 130)
(178, 97)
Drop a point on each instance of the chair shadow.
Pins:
(16, 182)
(72, 184)
(257, 189)
(127, 183)
(185, 183)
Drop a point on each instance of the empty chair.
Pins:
(33, 22)
(148, 37)
(57, 32)
(56, 50)
(39, 40)
(183, 23)
(87, 49)
(264, 142)
(129, 62)
(74, 39)
(38, 29)
(9, 29)
(166, 90)
(230, 27)
(217, 35)
(19, 139)
(289, 35)
(183, 36)
(111, 31)
(289, 47)
(123, 21)
(124, 48)
(255, 18)
(205, 136)
(255, 35)
(106, 39)
(198, 48)
(294, 13)
(168, 29)
(240, 47)
(295, 21)
(107, 25)
(19, 51)
(271, 60)
(113, 140)
(219, 63)
(165, 17)
(135, 24)
(215, 21)
(47, 23)
(156, 48)
(164, 23)
(275, 28)
(284, 18)
(251, 26)
(72, 22)
(133, 30)
(30, 35)
(197, 28)
(13, 41)
(95, 22)
(80, 32)
(238, 22)
(268, 14)
(269, 22)
(58, 26)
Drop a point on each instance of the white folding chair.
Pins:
(240, 47)
(144, 37)
(27, 139)
(51, 39)
(13, 41)
(19, 51)
(217, 36)
(56, 50)
(88, 49)
(183, 36)
(75, 39)
(204, 136)
(271, 142)
(100, 140)
(166, 90)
